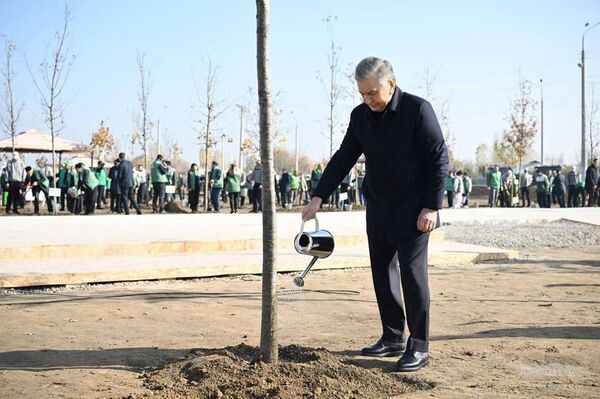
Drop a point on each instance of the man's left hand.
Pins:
(427, 220)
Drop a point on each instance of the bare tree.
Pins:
(251, 145)
(142, 119)
(334, 89)
(593, 124)
(209, 108)
(442, 106)
(268, 336)
(133, 139)
(55, 70)
(522, 122)
(502, 153)
(10, 114)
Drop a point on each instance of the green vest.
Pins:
(89, 178)
(315, 177)
(295, 182)
(541, 183)
(41, 178)
(193, 180)
(100, 174)
(233, 182)
(216, 174)
(157, 177)
(495, 180)
(450, 183)
(62, 178)
(467, 185)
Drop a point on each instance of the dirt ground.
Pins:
(522, 329)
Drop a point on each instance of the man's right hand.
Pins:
(310, 210)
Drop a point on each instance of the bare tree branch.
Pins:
(10, 113)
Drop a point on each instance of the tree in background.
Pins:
(522, 121)
(482, 158)
(502, 153)
(441, 106)
(102, 142)
(55, 71)
(268, 334)
(209, 109)
(593, 124)
(142, 118)
(333, 88)
(10, 113)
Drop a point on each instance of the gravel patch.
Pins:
(556, 234)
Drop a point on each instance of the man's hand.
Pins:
(310, 210)
(427, 220)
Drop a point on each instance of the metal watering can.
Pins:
(318, 244)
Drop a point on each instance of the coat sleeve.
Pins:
(433, 151)
(340, 164)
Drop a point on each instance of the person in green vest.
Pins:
(63, 183)
(493, 182)
(193, 183)
(315, 178)
(73, 197)
(158, 176)
(100, 174)
(542, 184)
(294, 186)
(3, 186)
(89, 185)
(216, 184)
(233, 180)
(37, 182)
(450, 188)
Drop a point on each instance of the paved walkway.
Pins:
(80, 249)
(119, 229)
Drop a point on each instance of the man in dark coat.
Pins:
(38, 183)
(115, 190)
(407, 165)
(591, 181)
(125, 175)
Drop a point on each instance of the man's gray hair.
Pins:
(374, 66)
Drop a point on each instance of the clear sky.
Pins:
(475, 48)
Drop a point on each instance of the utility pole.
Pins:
(542, 117)
(242, 110)
(582, 66)
(296, 150)
(158, 136)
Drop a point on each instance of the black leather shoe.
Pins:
(383, 348)
(412, 361)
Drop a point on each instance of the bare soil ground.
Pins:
(522, 329)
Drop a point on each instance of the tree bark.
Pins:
(268, 336)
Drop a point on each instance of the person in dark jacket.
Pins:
(591, 181)
(558, 188)
(193, 183)
(407, 164)
(285, 188)
(125, 174)
(115, 189)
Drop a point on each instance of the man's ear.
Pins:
(392, 84)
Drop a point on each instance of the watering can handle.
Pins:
(316, 225)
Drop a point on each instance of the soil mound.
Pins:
(233, 373)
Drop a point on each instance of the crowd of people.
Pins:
(551, 187)
(123, 188)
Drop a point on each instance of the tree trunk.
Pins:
(268, 335)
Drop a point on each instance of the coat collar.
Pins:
(393, 105)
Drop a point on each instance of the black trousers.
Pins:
(525, 195)
(101, 194)
(233, 201)
(14, 195)
(36, 198)
(128, 196)
(402, 264)
(89, 200)
(194, 198)
(257, 198)
(158, 197)
(63, 196)
(571, 195)
(115, 201)
(142, 194)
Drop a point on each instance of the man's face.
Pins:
(194, 168)
(375, 94)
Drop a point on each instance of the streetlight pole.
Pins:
(242, 110)
(223, 150)
(542, 122)
(295, 141)
(582, 66)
